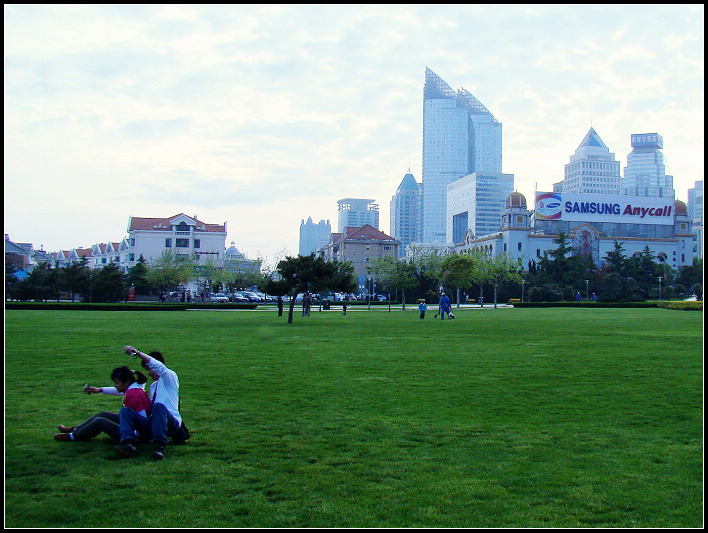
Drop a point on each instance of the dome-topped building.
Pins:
(516, 199)
(592, 224)
(232, 252)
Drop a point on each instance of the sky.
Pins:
(262, 116)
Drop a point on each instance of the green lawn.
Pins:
(500, 418)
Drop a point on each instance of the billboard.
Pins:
(578, 207)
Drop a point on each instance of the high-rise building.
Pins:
(645, 173)
(313, 236)
(355, 212)
(695, 212)
(592, 169)
(476, 202)
(460, 137)
(406, 208)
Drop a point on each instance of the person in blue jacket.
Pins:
(444, 306)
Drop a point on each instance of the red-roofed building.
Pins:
(184, 235)
(362, 247)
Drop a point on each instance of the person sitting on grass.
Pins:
(130, 385)
(165, 420)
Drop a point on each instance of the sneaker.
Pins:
(126, 450)
(63, 436)
(159, 452)
(65, 429)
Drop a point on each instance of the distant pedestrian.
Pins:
(422, 308)
(445, 306)
(345, 304)
(280, 306)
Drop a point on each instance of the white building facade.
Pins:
(180, 234)
(593, 222)
(592, 169)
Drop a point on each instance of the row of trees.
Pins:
(561, 274)
(427, 275)
(110, 284)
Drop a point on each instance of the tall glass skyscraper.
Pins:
(460, 137)
(645, 173)
(406, 208)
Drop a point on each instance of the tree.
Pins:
(398, 275)
(457, 271)
(310, 274)
(500, 269)
(138, 277)
(108, 284)
(170, 270)
(76, 279)
(41, 284)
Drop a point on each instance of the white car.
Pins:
(219, 297)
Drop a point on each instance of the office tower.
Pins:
(355, 212)
(695, 212)
(460, 137)
(592, 169)
(645, 173)
(313, 236)
(406, 207)
(476, 202)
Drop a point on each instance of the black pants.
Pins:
(102, 422)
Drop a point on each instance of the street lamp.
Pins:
(587, 293)
(659, 278)
(523, 282)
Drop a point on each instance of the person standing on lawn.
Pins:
(445, 306)
(165, 419)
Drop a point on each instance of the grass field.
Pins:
(500, 418)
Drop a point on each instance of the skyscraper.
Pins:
(476, 202)
(592, 169)
(406, 208)
(460, 137)
(355, 212)
(645, 173)
(313, 236)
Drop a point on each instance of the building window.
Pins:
(518, 246)
(182, 243)
(168, 243)
(197, 243)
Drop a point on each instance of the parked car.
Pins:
(239, 298)
(219, 297)
(264, 297)
(252, 296)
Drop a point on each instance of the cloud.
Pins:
(278, 111)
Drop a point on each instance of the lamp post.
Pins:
(659, 278)
(523, 282)
(587, 293)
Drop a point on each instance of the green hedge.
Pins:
(682, 306)
(123, 306)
